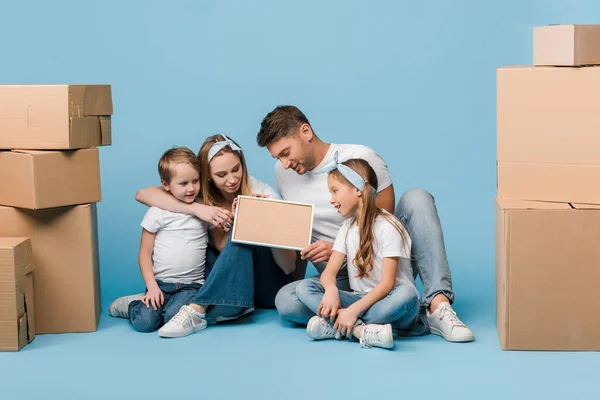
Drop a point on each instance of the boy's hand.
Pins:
(345, 321)
(330, 304)
(154, 297)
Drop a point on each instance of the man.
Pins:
(289, 137)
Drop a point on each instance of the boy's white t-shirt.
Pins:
(387, 242)
(311, 187)
(179, 254)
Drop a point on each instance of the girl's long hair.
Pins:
(369, 213)
(209, 192)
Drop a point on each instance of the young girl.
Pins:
(377, 247)
(241, 276)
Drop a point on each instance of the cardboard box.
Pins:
(272, 223)
(61, 117)
(547, 275)
(65, 254)
(548, 125)
(44, 179)
(566, 45)
(17, 325)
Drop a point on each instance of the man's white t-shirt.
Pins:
(387, 242)
(179, 254)
(311, 187)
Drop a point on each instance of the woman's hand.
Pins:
(217, 216)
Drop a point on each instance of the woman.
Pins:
(240, 277)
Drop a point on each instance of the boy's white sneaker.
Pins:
(318, 329)
(445, 323)
(376, 335)
(185, 322)
(120, 307)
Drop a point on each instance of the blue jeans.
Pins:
(176, 295)
(240, 277)
(416, 209)
(399, 308)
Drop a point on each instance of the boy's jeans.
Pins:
(176, 295)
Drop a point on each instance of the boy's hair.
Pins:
(174, 156)
(209, 192)
(279, 123)
(369, 213)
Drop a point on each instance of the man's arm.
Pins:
(386, 199)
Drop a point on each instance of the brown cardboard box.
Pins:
(44, 179)
(57, 117)
(17, 325)
(66, 275)
(566, 45)
(548, 122)
(273, 223)
(547, 275)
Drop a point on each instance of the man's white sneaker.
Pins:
(185, 322)
(120, 307)
(376, 335)
(445, 323)
(318, 329)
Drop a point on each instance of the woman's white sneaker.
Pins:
(373, 335)
(185, 322)
(445, 323)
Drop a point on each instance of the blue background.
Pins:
(414, 80)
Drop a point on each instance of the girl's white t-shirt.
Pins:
(387, 242)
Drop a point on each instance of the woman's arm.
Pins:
(157, 196)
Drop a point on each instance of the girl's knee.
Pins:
(307, 287)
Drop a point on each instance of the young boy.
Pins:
(172, 251)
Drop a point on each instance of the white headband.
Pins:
(218, 146)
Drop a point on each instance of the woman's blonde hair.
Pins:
(369, 213)
(210, 194)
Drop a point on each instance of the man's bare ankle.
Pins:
(199, 308)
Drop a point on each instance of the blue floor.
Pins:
(259, 357)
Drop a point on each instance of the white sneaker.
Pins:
(376, 335)
(318, 329)
(120, 307)
(185, 322)
(445, 323)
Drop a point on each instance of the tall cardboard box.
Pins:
(45, 179)
(566, 45)
(548, 141)
(66, 276)
(60, 117)
(547, 275)
(17, 325)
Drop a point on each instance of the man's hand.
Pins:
(317, 252)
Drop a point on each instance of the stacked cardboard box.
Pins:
(548, 204)
(49, 184)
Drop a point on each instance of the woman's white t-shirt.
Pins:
(387, 242)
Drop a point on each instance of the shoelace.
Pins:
(328, 329)
(449, 315)
(368, 336)
(181, 316)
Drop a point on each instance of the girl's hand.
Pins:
(154, 297)
(217, 216)
(330, 304)
(345, 321)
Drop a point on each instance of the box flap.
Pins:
(531, 205)
(106, 130)
(578, 206)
